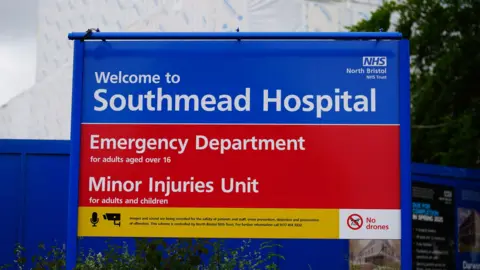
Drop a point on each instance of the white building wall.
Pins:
(43, 111)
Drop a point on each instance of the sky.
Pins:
(18, 19)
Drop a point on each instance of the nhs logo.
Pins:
(374, 61)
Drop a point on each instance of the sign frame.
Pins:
(79, 39)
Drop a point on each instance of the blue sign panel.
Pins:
(212, 82)
(239, 99)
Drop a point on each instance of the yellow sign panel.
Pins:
(208, 222)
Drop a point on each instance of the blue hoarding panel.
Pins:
(314, 254)
(32, 195)
(455, 241)
(46, 210)
(11, 200)
(468, 225)
(33, 172)
(444, 171)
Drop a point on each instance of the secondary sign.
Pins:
(240, 139)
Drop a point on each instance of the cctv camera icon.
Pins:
(115, 217)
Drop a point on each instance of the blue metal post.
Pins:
(405, 156)
(77, 87)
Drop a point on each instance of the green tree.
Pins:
(445, 49)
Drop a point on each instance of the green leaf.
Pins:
(444, 40)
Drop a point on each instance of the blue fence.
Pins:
(465, 209)
(33, 195)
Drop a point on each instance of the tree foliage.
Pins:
(445, 47)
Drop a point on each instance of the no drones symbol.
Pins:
(354, 222)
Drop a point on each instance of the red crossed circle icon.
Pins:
(354, 222)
